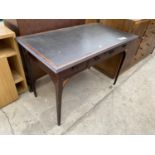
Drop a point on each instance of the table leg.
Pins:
(59, 90)
(34, 88)
(120, 66)
(30, 76)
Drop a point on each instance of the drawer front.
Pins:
(75, 69)
(140, 27)
(109, 54)
(150, 33)
(91, 62)
(153, 21)
(147, 44)
(145, 49)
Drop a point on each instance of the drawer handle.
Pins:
(124, 45)
(97, 58)
(75, 67)
(110, 52)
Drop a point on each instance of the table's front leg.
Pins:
(59, 90)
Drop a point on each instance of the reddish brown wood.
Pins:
(81, 52)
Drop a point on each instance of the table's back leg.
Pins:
(119, 67)
(30, 76)
(34, 88)
(59, 90)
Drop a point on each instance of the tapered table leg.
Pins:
(120, 66)
(34, 89)
(30, 76)
(59, 89)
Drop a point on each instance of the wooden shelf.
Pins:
(17, 78)
(12, 78)
(5, 32)
(7, 52)
(20, 87)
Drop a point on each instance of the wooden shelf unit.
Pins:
(12, 77)
(145, 29)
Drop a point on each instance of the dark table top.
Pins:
(64, 48)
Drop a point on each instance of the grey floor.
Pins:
(91, 105)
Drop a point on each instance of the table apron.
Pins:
(80, 67)
(91, 62)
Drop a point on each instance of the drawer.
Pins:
(79, 67)
(140, 27)
(152, 22)
(150, 33)
(106, 55)
(98, 59)
(145, 46)
(151, 26)
(147, 43)
(147, 40)
(75, 69)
